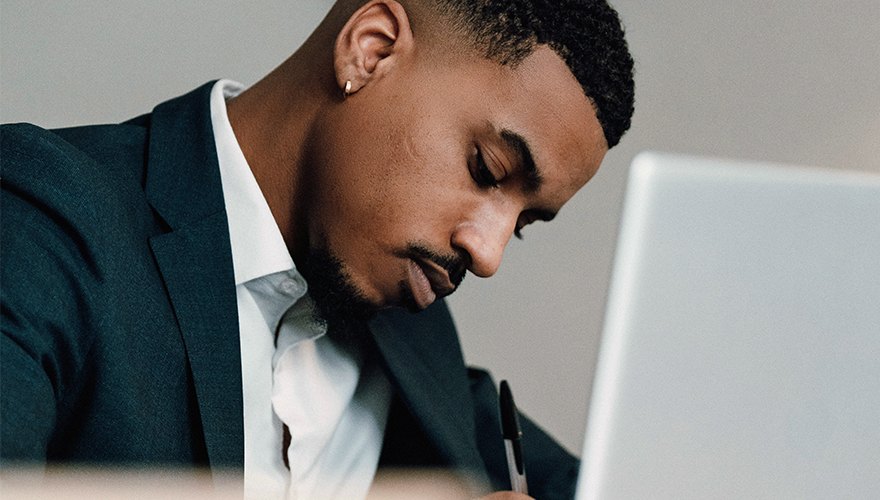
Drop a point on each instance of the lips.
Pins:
(428, 281)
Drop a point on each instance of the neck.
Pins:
(272, 121)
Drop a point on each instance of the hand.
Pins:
(506, 495)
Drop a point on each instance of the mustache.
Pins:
(455, 265)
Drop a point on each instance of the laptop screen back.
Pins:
(740, 353)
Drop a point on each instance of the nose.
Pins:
(484, 237)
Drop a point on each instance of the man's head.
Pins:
(464, 122)
(586, 34)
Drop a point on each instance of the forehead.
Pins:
(540, 101)
(547, 106)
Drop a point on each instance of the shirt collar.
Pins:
(258, 248)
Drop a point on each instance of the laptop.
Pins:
(740, 353)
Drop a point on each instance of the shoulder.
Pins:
(73, 215)
(82, 174)
(31, 152)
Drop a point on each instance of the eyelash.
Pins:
(483, 176)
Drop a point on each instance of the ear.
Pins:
(370, 43)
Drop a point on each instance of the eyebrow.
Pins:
(531, 175)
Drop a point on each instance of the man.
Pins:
(221, 282)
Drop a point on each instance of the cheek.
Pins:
(391, 173)
(387, 189)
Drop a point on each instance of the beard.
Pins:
(341, 306)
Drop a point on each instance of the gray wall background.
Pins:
(792, 81)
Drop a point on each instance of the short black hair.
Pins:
(586, 34)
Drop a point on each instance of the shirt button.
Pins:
(291, 286)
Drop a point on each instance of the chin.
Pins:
(406, 298)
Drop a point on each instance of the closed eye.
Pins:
(481, 173)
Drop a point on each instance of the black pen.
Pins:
(512, 440)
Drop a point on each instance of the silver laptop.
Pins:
(740, 355)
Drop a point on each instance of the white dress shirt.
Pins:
(334, 401)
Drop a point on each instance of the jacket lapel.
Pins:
(424, 361)
(421, 351)
(195, 260)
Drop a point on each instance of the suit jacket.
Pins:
(120, 332)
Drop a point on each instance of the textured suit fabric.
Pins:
(120, 336)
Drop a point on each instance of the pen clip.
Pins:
(510, 428)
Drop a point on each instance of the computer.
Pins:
(740, 352)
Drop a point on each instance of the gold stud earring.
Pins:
(347, 91)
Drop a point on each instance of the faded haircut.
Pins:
(586, 34)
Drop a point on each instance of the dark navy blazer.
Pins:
(120, 332)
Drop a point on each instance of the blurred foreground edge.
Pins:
(91, 483)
